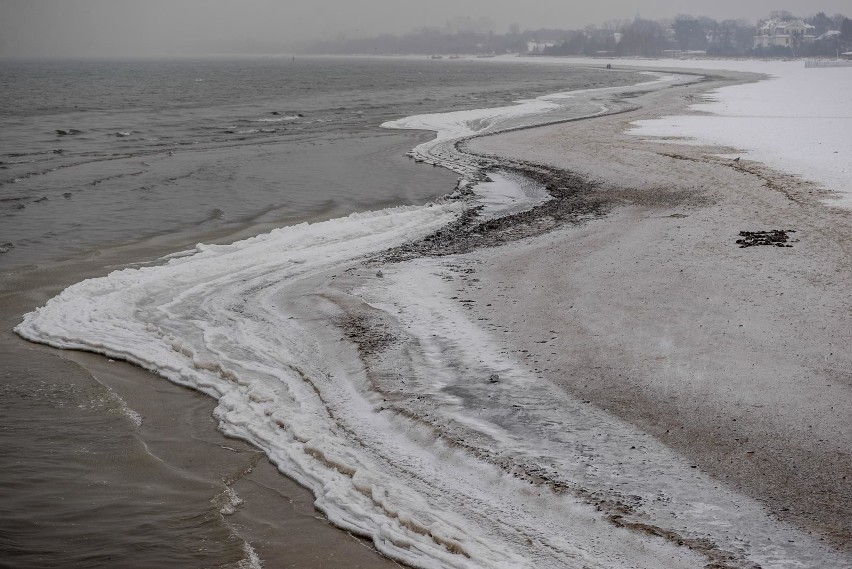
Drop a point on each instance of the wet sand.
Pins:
(735, 357)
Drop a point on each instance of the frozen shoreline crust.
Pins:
(259, 326)
(252, 331)
(453, 127)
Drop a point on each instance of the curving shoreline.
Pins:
(478, 235)
(798, 476)
(176, 455)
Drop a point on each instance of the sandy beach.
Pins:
(620, 321)
(735, 357)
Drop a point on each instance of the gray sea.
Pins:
(97, 155)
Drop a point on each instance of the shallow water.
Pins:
(78, 487)
(97, 153)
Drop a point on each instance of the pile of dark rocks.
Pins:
(776, 237)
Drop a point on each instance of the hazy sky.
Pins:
(146, 27)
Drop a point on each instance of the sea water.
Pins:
(105, 152)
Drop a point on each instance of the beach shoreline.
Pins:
(269, 520)
(172, 429)
(619, 202)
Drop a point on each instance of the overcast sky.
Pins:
(172, 27)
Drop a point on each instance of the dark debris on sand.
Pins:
(574, 201)
(776, 237)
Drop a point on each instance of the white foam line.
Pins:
(452, 127)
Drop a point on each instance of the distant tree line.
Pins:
(628, 38)
(427, 41)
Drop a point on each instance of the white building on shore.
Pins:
(534, 46)
(778, 33)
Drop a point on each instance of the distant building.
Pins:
(539, 46)
(778, 33)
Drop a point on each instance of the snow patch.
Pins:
(796, 121)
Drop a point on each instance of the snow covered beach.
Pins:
(796, 120)
(726, 354)
(425, 431)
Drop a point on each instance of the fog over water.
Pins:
(68, 28)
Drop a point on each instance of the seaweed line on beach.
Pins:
(575, 198)
(574, 201)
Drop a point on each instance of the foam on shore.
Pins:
(452, 127)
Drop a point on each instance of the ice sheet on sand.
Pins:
(255, 325)
(454, 126)
(506, 194)
(798, 121)
(497, 405)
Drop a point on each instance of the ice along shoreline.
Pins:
(252, 395)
